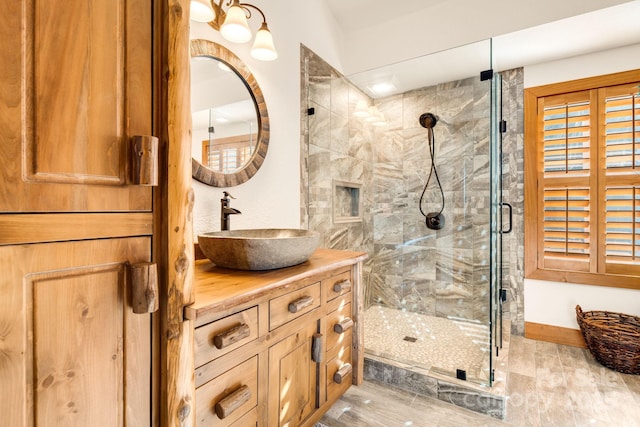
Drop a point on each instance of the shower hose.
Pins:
(428, 121)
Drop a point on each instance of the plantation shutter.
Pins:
(582, 181)
(620, 178)
(566, 185)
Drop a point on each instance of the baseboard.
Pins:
(554, 334)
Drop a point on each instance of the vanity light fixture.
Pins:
(201, 11)
(234, 26)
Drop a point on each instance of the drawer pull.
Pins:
(233, 401)
(231, 336)
(343, 326)
(342, 372)
(316, 348)
(342, 285)
(300, 303)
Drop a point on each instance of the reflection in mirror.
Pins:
(224, 116)
(230, 121)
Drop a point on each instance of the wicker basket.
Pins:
(612, 338)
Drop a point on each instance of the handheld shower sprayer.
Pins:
(433, 220)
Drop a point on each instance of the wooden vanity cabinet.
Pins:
(276, 348)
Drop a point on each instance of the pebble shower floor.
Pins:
(441, 345)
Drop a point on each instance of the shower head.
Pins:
(428, 120)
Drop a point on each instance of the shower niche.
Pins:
(346, 201)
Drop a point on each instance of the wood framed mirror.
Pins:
(230, 120)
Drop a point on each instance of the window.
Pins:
(582, 181)
(227, 155)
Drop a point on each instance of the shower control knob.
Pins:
(435, 221)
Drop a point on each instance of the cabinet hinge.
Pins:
(144, 160)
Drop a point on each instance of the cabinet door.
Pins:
(293, 379)
(75, 85)
(72, 352)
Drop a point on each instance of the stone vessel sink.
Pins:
(259, 249)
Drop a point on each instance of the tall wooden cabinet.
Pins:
(75, 86)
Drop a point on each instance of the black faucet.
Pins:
(226, 210)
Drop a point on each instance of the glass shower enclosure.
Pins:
(432, 297)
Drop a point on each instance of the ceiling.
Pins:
(356, 14)
(615, 26)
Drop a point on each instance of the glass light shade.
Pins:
(263, 47)
(235, 27)
(201, 11)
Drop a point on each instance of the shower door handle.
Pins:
(507, 231)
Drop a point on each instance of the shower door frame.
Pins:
(498, 127)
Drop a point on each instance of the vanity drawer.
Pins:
(218, 338)
(250, 419)
(339, 323)
(225, 399)
(338, 285)
(290, 306)
(339, 368)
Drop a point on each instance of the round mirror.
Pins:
(229, 117)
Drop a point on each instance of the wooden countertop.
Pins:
(220, 288)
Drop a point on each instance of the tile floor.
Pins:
(547, 385)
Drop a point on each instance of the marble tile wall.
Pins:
(440, 273)
(334, 151)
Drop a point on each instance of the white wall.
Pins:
(578, 67)
(553, 303)
(272, 197)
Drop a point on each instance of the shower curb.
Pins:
(465, 395)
